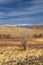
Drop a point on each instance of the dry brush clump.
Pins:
(37, 35)
(8, 36)
(0, 36)
(5, 36)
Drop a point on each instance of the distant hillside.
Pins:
(38, 27)
(17, 31)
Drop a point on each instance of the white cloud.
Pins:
(29, 19)
(35, 9)
(8, 1)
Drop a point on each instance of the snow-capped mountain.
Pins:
(23, 25)
(20, 25)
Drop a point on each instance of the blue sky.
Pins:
(21, 12)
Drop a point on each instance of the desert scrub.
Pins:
(3, 62)
(41, 58)
(9, 62)
(28, 60)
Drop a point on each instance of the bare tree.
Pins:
(24, 41)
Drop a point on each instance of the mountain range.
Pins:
(24, 25)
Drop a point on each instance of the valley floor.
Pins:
(31, 43)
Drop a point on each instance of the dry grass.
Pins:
(6, 42)
(11, 55)
(14, 31)
(17, 32)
